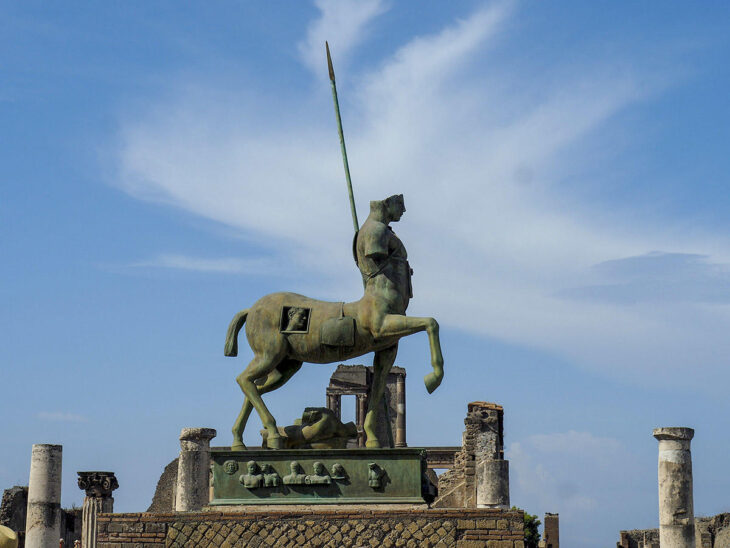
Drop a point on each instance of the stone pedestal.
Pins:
(98, 487)
(43, 521)
(676, 508)
(193, 470)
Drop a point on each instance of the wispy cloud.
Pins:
(223, 265)
(60, 416)
(480, 156)
(344, 24)
(657, 277)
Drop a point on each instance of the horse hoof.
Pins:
(432, 381)
(275, 442)
(238, 446)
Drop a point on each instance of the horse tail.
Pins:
(237, 322)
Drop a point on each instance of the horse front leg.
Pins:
(395, 325)
(382, 362)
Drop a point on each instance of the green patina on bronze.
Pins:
(285, 330)
(326, 476)
(319, 428)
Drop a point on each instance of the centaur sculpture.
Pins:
(285, 329)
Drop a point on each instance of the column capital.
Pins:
(198, 434)
(674, 433)
(97, 484)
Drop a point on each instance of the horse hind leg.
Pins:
(260, 367)
(275, 379)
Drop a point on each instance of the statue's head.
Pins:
(297, 319)
(391, 208)
(319, 469)
(311, 415)
(294, 467)
(252, 467)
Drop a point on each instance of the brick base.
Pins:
(331, 527)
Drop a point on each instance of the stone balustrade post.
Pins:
(98, 487)
(192, 492)
(676, 507)
(43, 521)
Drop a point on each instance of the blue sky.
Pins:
(565, 172)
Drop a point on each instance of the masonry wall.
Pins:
(326, 527)
(13, 511)
(713, 532)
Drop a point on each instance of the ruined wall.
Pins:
(711, 532)
(330, 527)
(482, 439)
(164, 497)
(13, 513)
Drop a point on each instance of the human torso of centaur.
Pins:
(383, 263)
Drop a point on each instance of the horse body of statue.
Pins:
(286, 329)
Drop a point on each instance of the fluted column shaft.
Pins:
(98, 487)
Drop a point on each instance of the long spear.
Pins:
(342, 141)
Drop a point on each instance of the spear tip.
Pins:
(329, 61)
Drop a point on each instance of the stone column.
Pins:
(98, 487)
(676, 508)
(492, 483)
(43, 521)
(360, 419)
(337, 399)
(484, 423)
(192, 492)
(400, 416)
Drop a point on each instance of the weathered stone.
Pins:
(192, 491)
(676, 508)
(43, 521)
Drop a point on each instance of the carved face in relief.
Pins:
(251, 467)
(319, 469)
(297, 319)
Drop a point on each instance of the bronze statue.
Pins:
(327, 332)
(319, 428)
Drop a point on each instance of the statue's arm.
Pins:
(375, 242)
